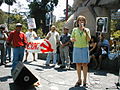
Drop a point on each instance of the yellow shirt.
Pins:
(80, 37)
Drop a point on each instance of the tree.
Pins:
(2, 17)
(70, 11)
(17, 18)
(115, 23)
(8, 2)
(59, 25)
(39, 9)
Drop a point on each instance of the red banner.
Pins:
(39, 46)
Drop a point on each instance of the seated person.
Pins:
(93, 49)
(93, 45)
(104, 46)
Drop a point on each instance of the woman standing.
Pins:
(81, 37)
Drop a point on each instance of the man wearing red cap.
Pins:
(18, 41)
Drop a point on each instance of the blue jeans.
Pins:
(18, 54)
(8, 52)
(49, 57)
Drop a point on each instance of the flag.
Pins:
(39, 46)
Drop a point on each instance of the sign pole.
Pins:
(66, 10)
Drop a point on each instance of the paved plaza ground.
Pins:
(54, 78)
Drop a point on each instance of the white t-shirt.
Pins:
(31, 35)
(53, 40)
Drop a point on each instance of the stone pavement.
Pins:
(54, 78)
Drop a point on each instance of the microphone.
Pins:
(82, 25)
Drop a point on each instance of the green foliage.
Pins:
(13, 26)
(59, 25)
(40, 33)
(38, 10)
(115, 24)
(24, 28)
(37, 13)
(2, 17)
(15, 18)
(70, 11)
(114, 32)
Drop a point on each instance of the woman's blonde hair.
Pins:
(81, 18)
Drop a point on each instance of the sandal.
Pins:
(78, 83)
(25, 61)
(34, 60)
(84, 83)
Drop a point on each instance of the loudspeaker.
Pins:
(22, 76)
(119, 78)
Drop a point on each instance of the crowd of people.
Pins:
(83, 46)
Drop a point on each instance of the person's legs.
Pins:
(16, 52)
(100, 61)
(33, 56)
(48, 58)
(94, 59)
(58, 59)
(9, 53)
(2, 55)
(6, 51)
(54, 58)
(21, 54)
(26, 56)
(62, 57)
(78, 67)
(67, 57)
(85, 70)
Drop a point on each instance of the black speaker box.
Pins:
(22, 76)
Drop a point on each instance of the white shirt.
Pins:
(53, 40)
(2, 35)
(31, 35)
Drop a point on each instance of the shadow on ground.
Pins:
(96, 72)
(77, 88)
(42, 66)
(13, 86)
(5, 78)
(103, 72)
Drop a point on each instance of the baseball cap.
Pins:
(18, 25)
(66, 28)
